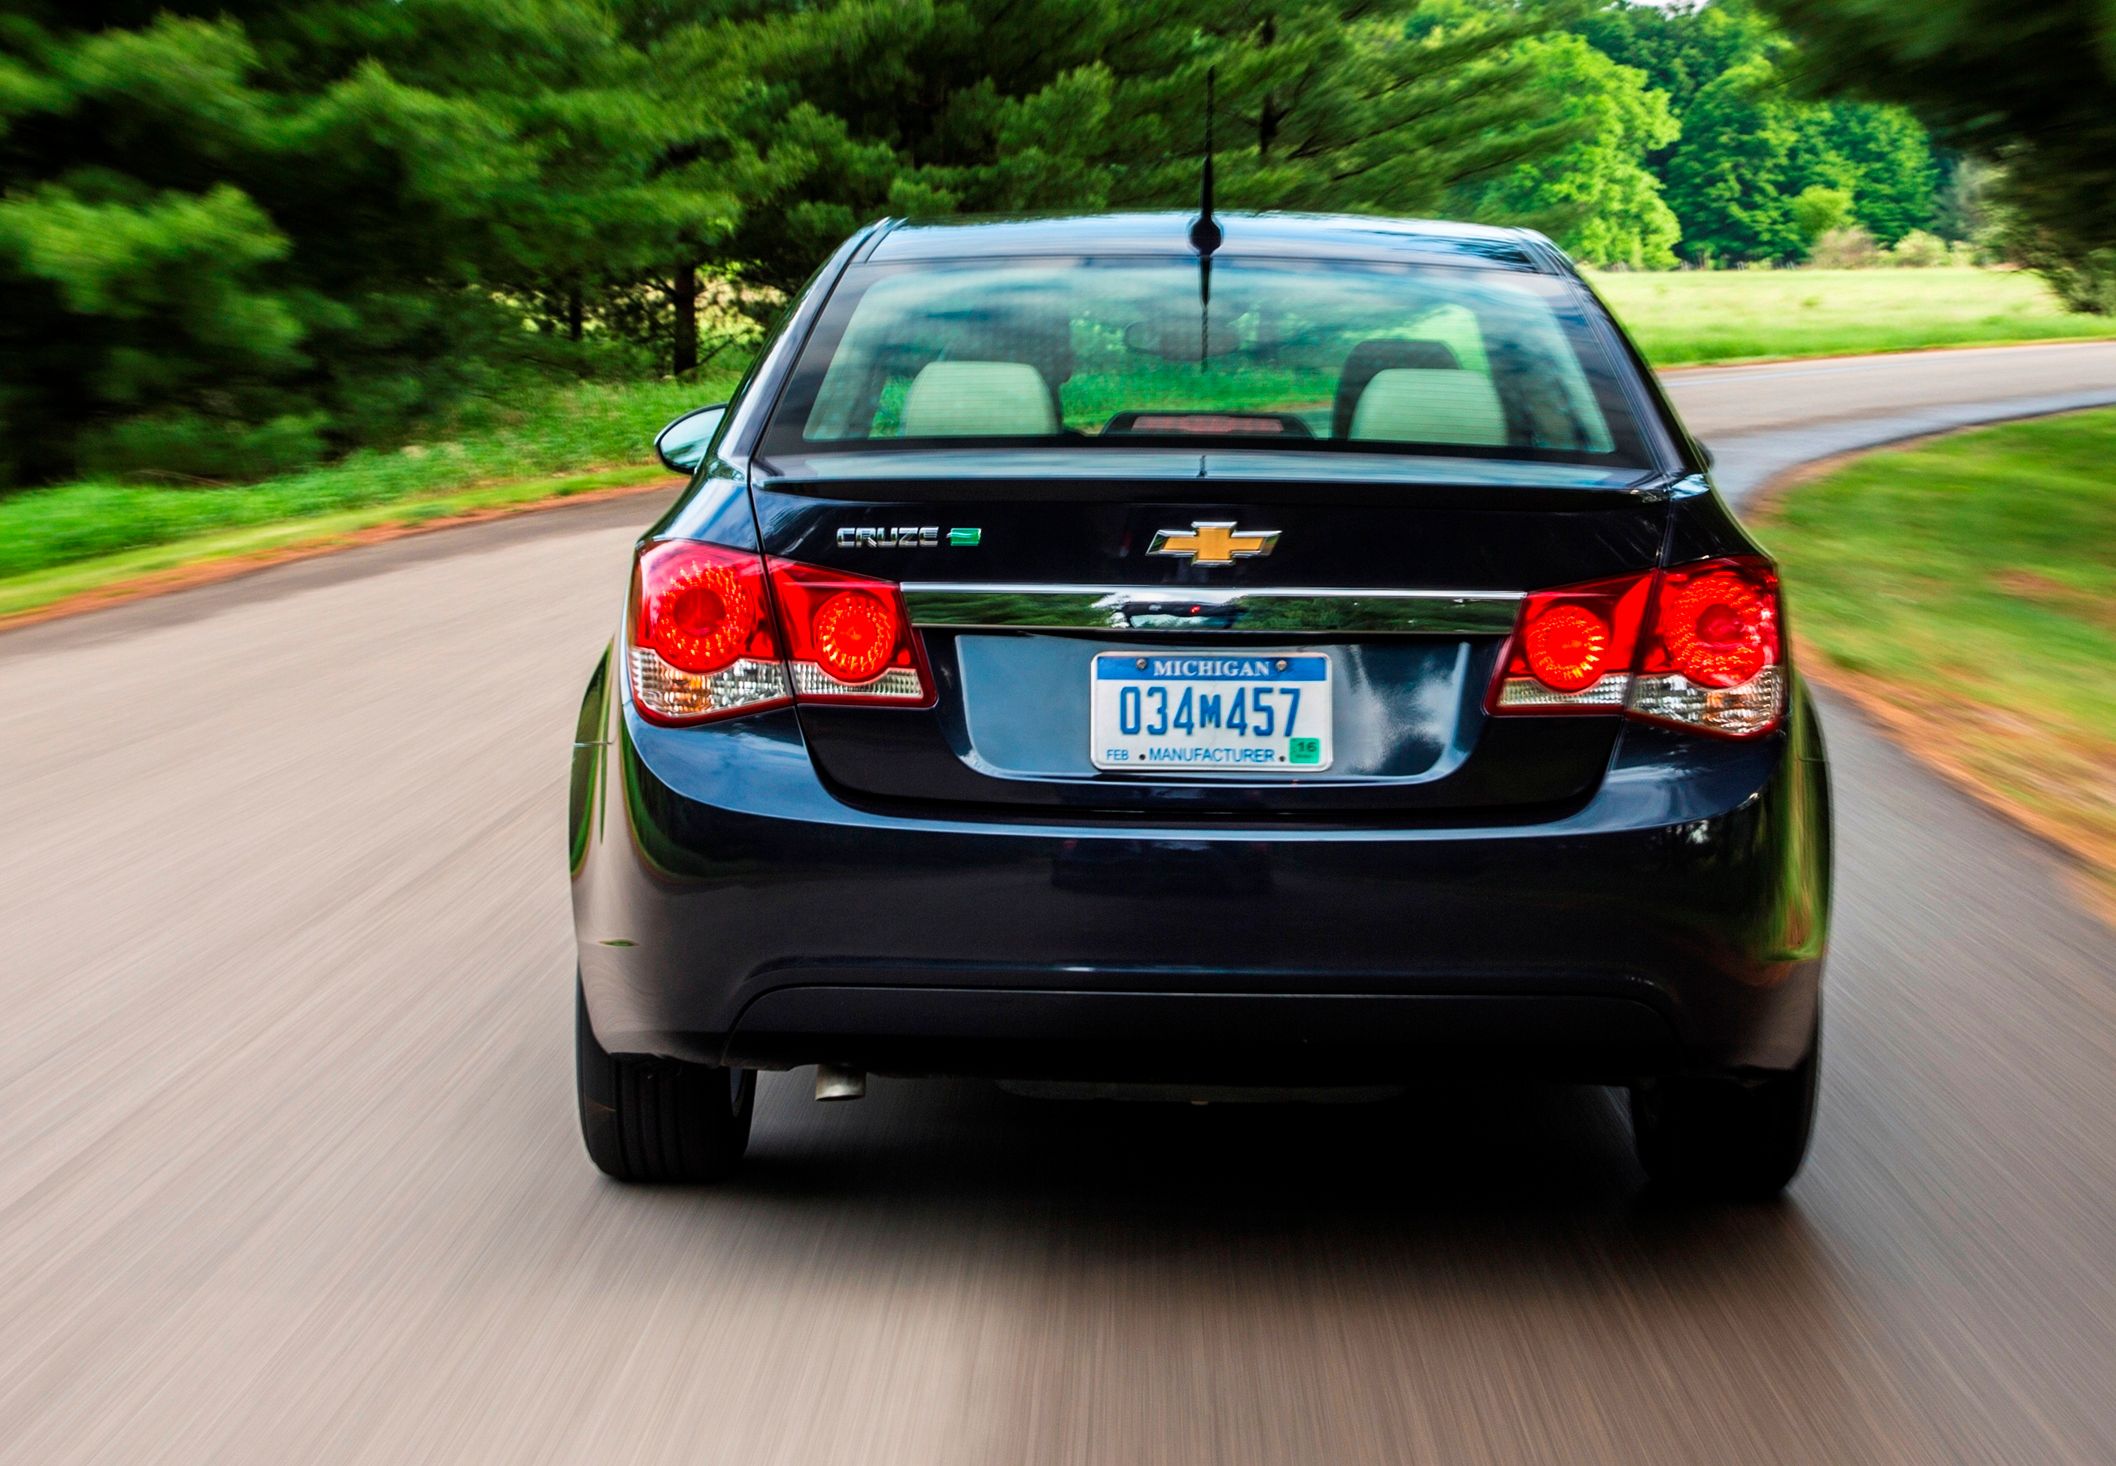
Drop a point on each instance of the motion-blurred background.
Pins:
(241, 240)
(286, 1165)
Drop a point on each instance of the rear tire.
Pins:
(1733, 1139)
(647, 1119)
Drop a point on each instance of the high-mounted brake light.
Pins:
(1697, 646)
(717, 632)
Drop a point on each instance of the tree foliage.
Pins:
(233, 235)
(240, 234)
(1732, 180)
(2030, 86)
(1683, 47)
(237, 234)
(1879, 155)
(1594, 194)
(1820, 210)
(966, 106)
(1749, 146)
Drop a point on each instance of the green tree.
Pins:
(235, 235)
(2028, 86)
(1729, 180)
(1594, 195)
(943, 106)
(1880, 155)
(1818, 210)
(1682, 47)
(1381, 105)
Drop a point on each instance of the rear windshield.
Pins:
(1327, 355)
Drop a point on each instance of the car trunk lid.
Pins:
(1032, 576)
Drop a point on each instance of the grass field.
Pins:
(1968, 587)
(1729, 315)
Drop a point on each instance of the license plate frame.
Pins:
(1166, 731)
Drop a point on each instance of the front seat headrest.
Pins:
(979, 399)
(1369, 357)
(1412, 406)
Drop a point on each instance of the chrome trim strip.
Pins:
(966, 606)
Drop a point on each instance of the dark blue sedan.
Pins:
(1308, 657)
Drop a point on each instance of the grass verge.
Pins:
(62, 544)
(1695, 317)
(79, 584)
(1963, 589)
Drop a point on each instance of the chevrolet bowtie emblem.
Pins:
(1216, 542)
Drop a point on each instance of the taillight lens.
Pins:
(1698, 646)
(1714, 658)
(702, 644)
(1574, 648)
(848, 638)
(717, 632)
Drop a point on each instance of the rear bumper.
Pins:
(730, 908)
(1144, 1034)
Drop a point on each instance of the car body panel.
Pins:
(954, 890)
(721, 869)
(1424, 693)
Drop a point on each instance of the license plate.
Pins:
(1226, 712)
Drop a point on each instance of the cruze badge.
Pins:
(906, 537)
(1214, 542)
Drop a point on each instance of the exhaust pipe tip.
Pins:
(833, 1083)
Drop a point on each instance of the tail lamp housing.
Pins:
(717, 633)
(1697, 646)
(848, 638)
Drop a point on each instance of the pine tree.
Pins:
(956, 106)
(233, 236)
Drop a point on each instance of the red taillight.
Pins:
(701, 634)
(1574, 649)
(1568, 647)
(1714, 658)
(706, 642)
(855, 636)
(704, 607)
(1716, 623)
(848, 638)
(1697, 646)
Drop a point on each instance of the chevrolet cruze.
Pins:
(1292, 652)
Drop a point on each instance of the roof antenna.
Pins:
(1205, 232)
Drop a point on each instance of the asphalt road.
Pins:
(289, 1172)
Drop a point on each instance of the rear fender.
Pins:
(591, 746)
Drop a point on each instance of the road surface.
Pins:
(289, 1171)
